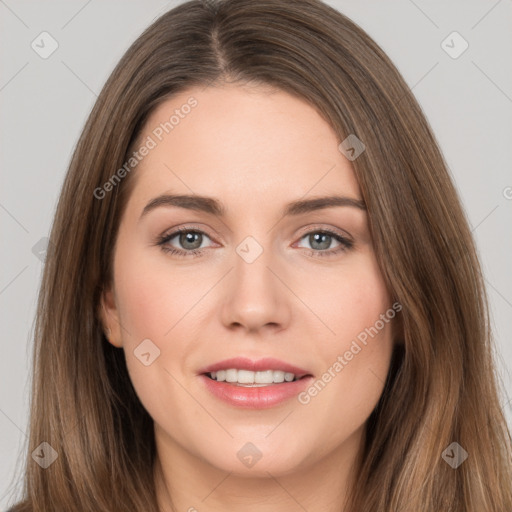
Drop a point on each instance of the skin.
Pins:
(254, 149)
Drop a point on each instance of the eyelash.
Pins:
(346, 244)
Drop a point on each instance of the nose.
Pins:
(254, 297)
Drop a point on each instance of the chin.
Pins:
(257, 459)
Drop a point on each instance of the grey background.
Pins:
(44, 103)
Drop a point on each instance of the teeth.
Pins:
(246, 377)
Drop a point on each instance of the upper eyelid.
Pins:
(317, 227)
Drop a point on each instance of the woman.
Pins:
(250, 371)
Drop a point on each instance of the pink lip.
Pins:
(243, 363)
(255, 398)
(261, 397)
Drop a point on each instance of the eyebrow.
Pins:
(215, 207)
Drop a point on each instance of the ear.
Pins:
(110, 317)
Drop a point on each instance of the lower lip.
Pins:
(262, 397)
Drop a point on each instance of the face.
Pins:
(255, 278)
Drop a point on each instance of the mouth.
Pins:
(249, 384)
(245, 371)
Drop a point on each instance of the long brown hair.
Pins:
(442, 387)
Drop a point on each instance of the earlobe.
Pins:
(109, 318)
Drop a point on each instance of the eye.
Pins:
(320, 242)
(191, 241)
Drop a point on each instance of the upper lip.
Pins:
(244, 363)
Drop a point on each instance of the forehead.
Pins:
(244, 145)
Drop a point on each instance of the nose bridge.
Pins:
(251, 264)
(255, 296)
(251, 273)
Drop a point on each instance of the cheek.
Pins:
(346, 300)
(152, 297)
(153, 302)
(356, 357)
(340, 400)
(149, 310)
